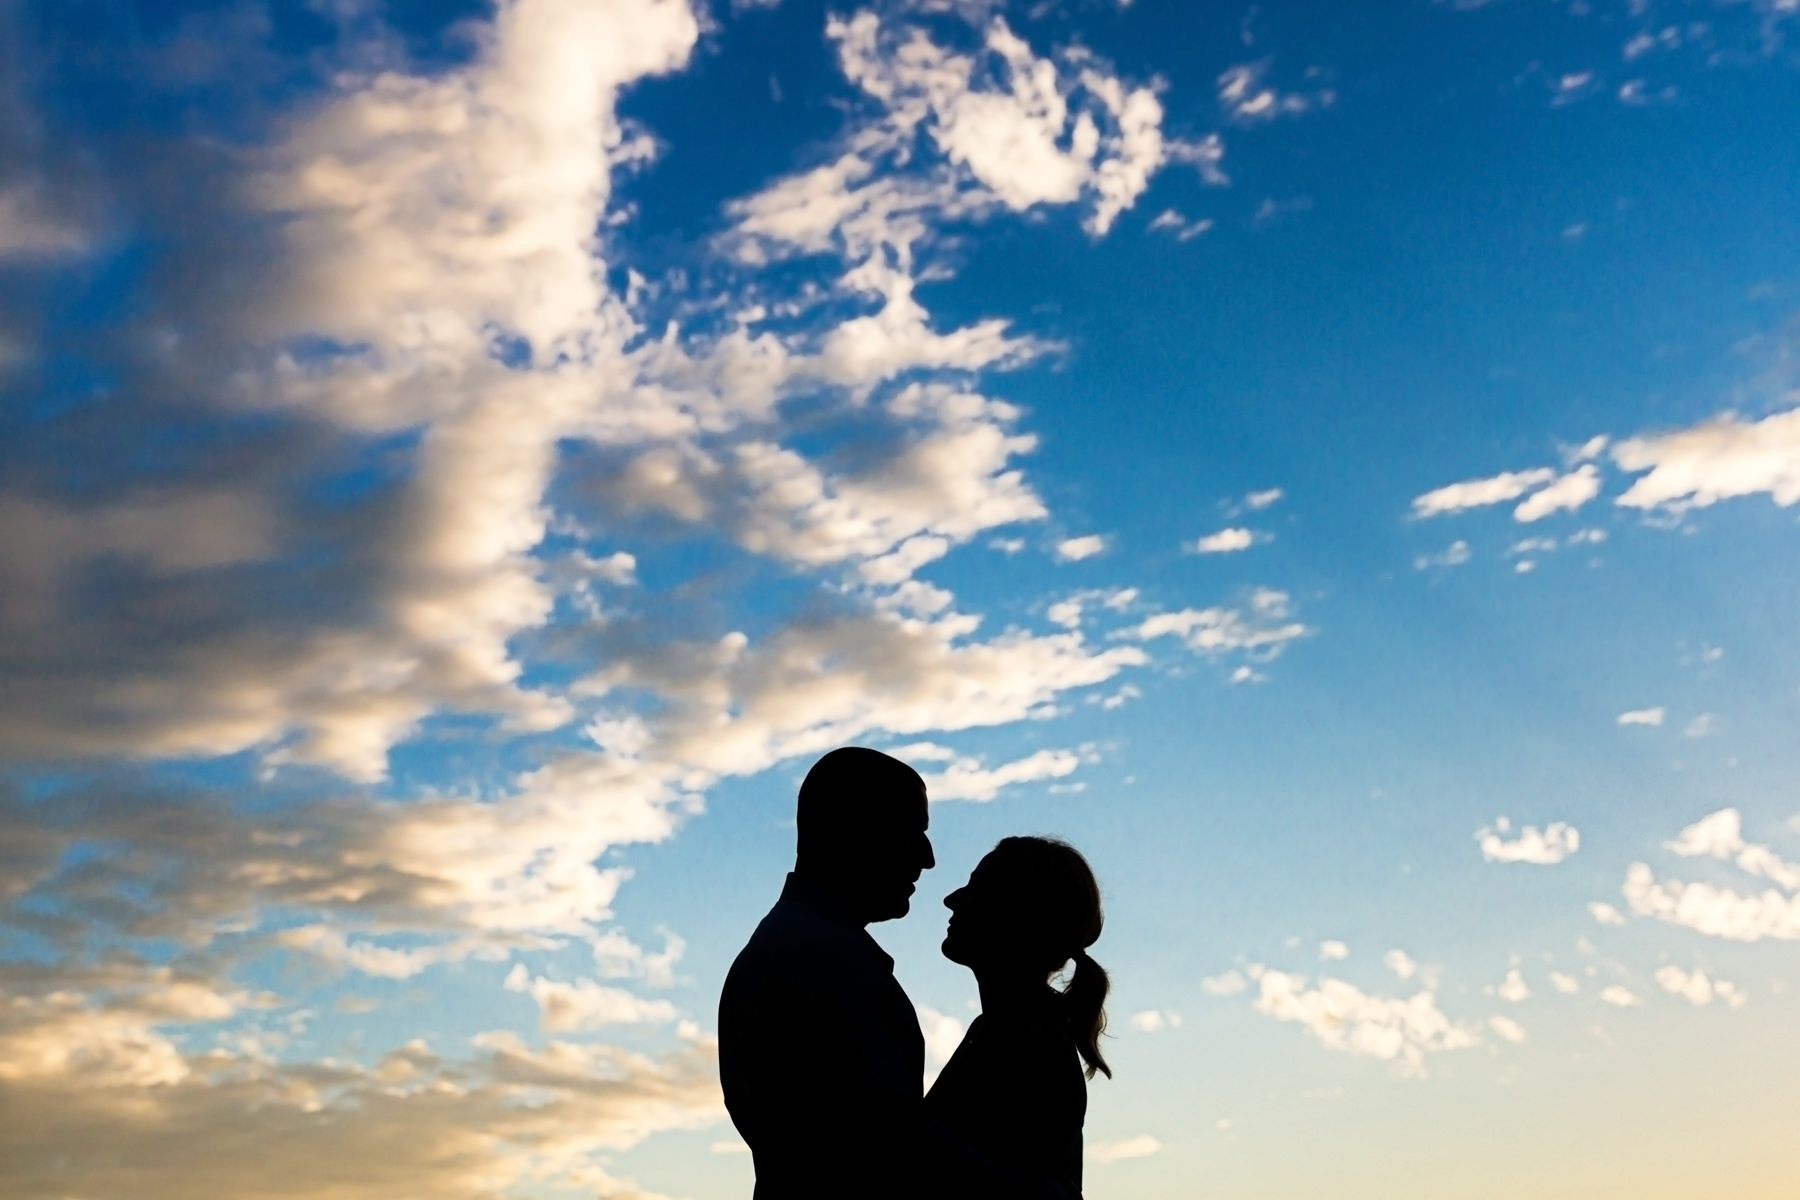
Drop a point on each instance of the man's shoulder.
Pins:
(796, 947)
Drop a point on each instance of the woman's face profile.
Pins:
(979, 920)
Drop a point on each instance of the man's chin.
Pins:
(896, 910)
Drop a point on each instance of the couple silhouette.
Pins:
(820, 1051)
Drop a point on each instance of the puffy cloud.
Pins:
(1333, 951)
(1544, 847)
(1513, 989)
(1605, 913)
(943, 1034)
(1344, 1018)
(1229, 983)
(1715, 910)
(1712, 910)
(1718, 459)
(1568, 985)
(1566, 494)
(1479, 493)
(1264, 499)
(1225, 541)
(1400, 963)
(1619, 996)
(1076, 549)
(1697, 989)
(1643, 716)
(1508, 1029)
(1153, 1021)
(1721, 835)
(1141, 1146)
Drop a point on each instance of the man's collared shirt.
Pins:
(820, 1055)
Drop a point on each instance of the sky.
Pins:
(1338, 465)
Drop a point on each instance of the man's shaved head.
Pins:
(862, 819)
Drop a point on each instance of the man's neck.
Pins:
(833, 891)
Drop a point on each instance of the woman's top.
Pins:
(1014, 1091)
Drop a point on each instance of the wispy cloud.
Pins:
(1141, 1146)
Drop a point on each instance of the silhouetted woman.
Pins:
(1016, 1089)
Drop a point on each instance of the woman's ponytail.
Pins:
(1084, 1008)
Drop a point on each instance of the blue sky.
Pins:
(461, 462)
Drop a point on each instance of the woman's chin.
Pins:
(953, 952)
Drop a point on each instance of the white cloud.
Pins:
(1455, 555)
(1704, 725)
(1076, 549)
(1643, 716)
(1153, 1021)
(1513, 989)
(1264, 499)
(1247, 100)
(1697, 989)
(1715, 911)
(1718, 459)
(1545, 847)
(943, 1034)
(1400, 963)
(1344, 1018)
(584, 1004)
(1026, 130)
(1618, 996)
(1568, 985)
(107, 1069)
(1605, 913)
(1226, 541)
(1230, 983)
(1141, 1146)
(1333, 951)
(34, 224)
(966, 779)
(1566, 494)
(1478, 493)
(1720, 835)
(1179, 227)
(1263, 626)
(1508, 1029)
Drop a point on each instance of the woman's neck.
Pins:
(1009, 990)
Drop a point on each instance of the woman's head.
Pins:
(1031, 905)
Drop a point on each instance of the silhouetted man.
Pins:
(819, 1048)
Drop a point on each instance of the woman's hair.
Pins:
(1059, 901)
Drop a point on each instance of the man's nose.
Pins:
(930, 859)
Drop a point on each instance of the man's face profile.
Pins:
(898, 852)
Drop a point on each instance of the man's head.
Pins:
(862, 821)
